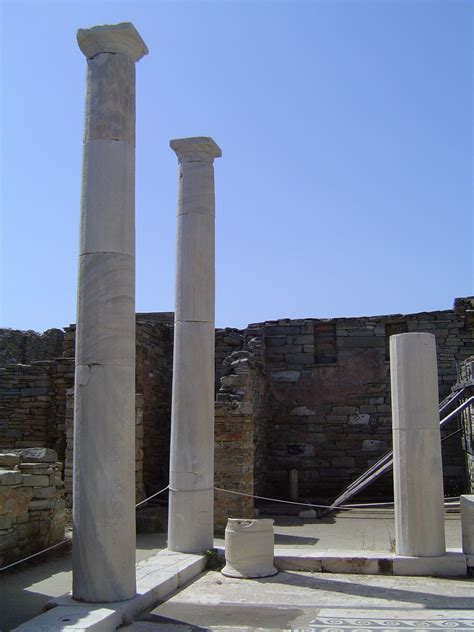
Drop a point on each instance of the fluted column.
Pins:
(104, 411)
(191, 516)
(417, 466)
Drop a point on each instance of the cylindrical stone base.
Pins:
(249, 548)
(417, 466)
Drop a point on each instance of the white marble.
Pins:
(191, 520)
(110, 99)
(417, 464)
(108, 192)
(195, 267)
(104, 413)
(112, 38)
(104, 484)
(467, 523)
(105, 310)
(249, 548)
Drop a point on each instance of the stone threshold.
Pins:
(157, 578)
(453, 564)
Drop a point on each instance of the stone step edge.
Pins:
(157, 578)
(453, 564)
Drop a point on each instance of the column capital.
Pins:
(196, 149)
(112, 38)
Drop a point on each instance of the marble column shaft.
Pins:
(191, 515)
(104, 412)
(417, 465)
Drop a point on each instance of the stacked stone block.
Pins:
(32, 508)
(240, 438)
(33, 404)
(25, 347)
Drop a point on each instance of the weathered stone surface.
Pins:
(302, 411)
(8, 460)
(36, 455)
(359, 419)
(9, 477)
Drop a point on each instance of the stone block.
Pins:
(8, 541)
(36, 455)
(8, 460)
(10, 477)
(302, 411)
(373, 445)
(35, 480)
(285, 376)
(451, 564)
(359, 419)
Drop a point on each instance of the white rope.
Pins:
(152, 496)
(4, 568)
(337, 508)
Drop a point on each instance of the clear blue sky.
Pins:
(345, 186)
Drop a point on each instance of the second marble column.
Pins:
(191, 516)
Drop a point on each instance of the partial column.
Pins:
(191, 515)
(104, 411)
(417, 465)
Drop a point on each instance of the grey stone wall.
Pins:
(25, 347)
(33, 404)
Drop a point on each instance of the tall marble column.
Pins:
(104, 411)
(417, 466)
(191, 516)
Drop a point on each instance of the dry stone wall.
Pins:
(240, 437)
(33, 404)
(25, 347)
(32, 508)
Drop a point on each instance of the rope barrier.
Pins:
(227, 491)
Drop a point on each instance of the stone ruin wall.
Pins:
(329, 396)
(240, 431)
(32, 508)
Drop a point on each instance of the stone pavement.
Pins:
(314, 601)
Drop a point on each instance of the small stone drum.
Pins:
(249, 548)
